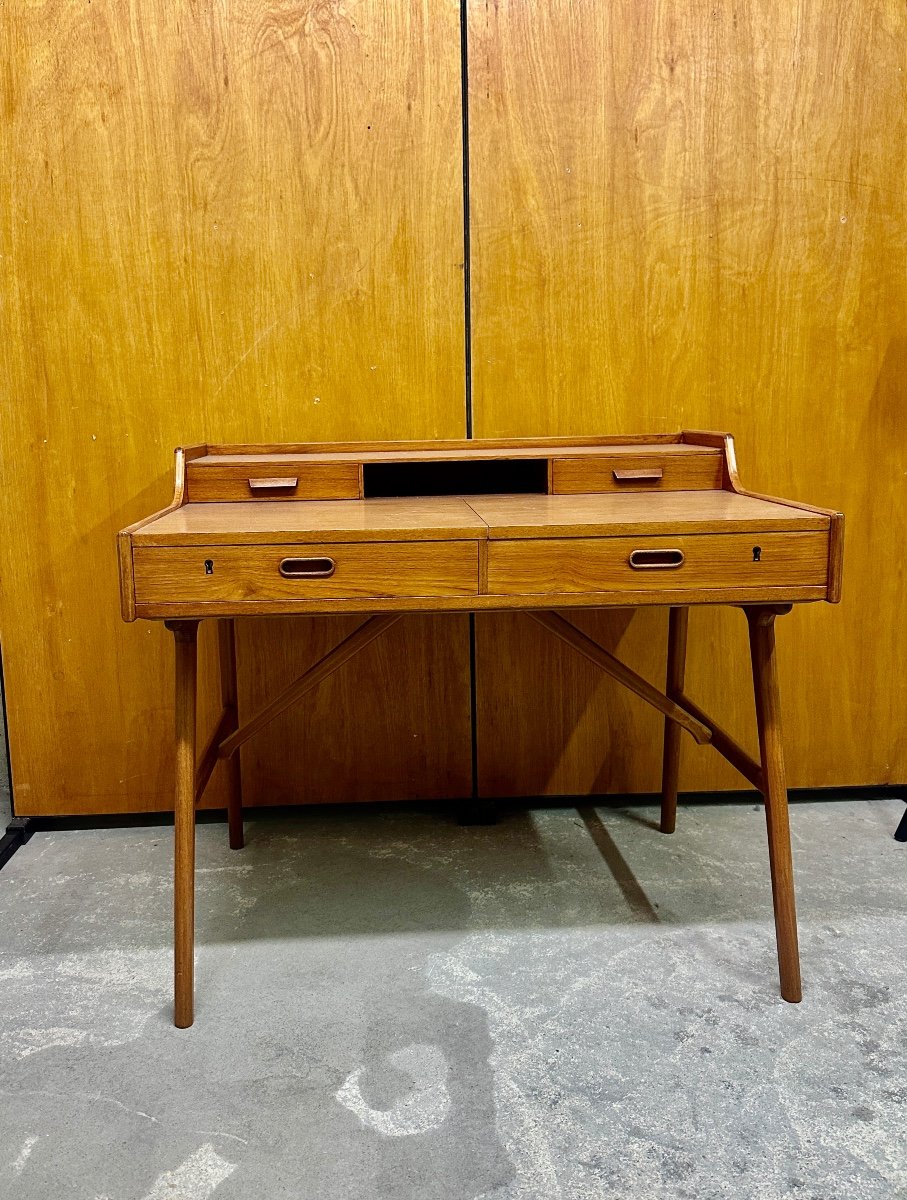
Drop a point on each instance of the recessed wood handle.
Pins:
(307, 568)
(652, 560)
(288, 484)
(651, 474)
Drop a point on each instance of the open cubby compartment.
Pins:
(466, 477)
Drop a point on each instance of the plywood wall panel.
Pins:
(423, 657)
(217, 222)
(694, 215)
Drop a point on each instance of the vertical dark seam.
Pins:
(467, 349)
(467, 297)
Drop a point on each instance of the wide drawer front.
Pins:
(200, 574)
(545, 566)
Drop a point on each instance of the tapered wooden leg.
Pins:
(226, 635)
(768, 715)
(670, 770)
(185, 634)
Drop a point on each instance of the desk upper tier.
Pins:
(449, 526)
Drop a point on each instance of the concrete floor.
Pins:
(567, 1005)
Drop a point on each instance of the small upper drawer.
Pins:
(272, 481)
(319, 571)
(649, 564)
(677, 472)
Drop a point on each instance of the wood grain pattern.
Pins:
(637, 473)
(230, 223)
(420, 519)
(686, 512)
(695, 215)
(605, 661)
(361, 569)
(438, 518)
(336, 657)
(354, 764)
(724, 743)
(312, 481)
(710, 561)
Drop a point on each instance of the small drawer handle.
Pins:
(652, 474)
(652, 560)
(288, 484)
(307, 568)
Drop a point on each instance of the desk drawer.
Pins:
(654, 472)
(551, 565)
(272, 481)
(200, 574)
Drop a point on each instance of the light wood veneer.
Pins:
(247, 573)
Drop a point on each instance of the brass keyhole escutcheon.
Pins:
(757, 554)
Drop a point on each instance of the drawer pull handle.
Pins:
(646, 474)
(287, 484)
(651, 560)
(307, 568)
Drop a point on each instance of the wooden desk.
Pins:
(541, 525)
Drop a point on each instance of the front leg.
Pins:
(185, 635)
(768, 716)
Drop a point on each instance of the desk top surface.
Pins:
(475, 517)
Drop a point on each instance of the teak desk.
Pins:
(542, 525)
